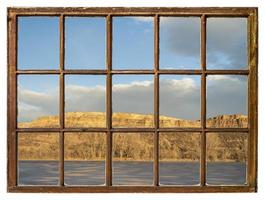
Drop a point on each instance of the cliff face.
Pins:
(98, 119)
(133, 146)
(228, 121)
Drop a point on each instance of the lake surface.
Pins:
(130, 173)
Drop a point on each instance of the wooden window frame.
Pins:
(203, 13)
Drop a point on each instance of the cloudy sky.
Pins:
(38, 47)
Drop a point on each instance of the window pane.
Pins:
(133, 101)
(85, 100)
(133, 159)
(38, 158)
(227, 101)
(133, 43)
(227, 43)
(85, 42)
(85, 158)
(179, 101)
(38, 97)
(38, 42)
(179, 158)
(179, 42)
(226, 158)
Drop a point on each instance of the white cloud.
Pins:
(178, 98)
(117, 87)
(144, 19)
(226, 95)
(33, 104)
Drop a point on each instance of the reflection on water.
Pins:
(129, 173)
(84, 172)
(38, 173)
(132, 173)
(221, 173)
(182, 173)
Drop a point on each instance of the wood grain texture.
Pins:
(131, 189)
(142, 11)
(203, 13)
(203, 102)
(156, 100)
(253, 98)
(61, 103)
(109, 102)
(12, 102)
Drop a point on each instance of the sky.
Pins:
(133, 48)
(180, 42)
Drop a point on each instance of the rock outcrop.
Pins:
(98, 119)
(133, 146)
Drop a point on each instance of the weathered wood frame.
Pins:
(252, 16)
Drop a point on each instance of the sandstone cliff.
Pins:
(131, 146)
(98, 119)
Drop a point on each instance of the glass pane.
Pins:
(179, 101)
(179, 42)
(179, 156)
(133, 43)
(227, 43)
(85, 42)
(133, 159)
(133, 101)
(38, 97)
(226, 158)
(85, 158)
(38, 43)
(227, 101)
(85, 100)
(38, 158)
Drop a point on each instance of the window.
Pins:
(132, 100)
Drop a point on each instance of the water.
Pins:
(130, 173)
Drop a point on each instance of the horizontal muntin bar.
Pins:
(163, 71)
(132, 71)
(38, 72)
(64, 130)
(177, 129)
(96, 189)
(38, 130)
(132, 130)
(243, 130)
(92, 71)
(220, 72)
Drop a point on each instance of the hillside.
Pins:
(98, 119)
(131, 146)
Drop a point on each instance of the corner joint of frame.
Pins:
(11, 188)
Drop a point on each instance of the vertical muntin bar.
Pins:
(203, 102)
(156, 100)
(109, 102)
(61, 103)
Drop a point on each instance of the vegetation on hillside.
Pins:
(135, 146)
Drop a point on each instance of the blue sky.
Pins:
(39, 83)
(133, 43)
(86, 80)
(133, 48)
(38, 43)
(85, 43)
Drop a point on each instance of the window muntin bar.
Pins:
(203, 72)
